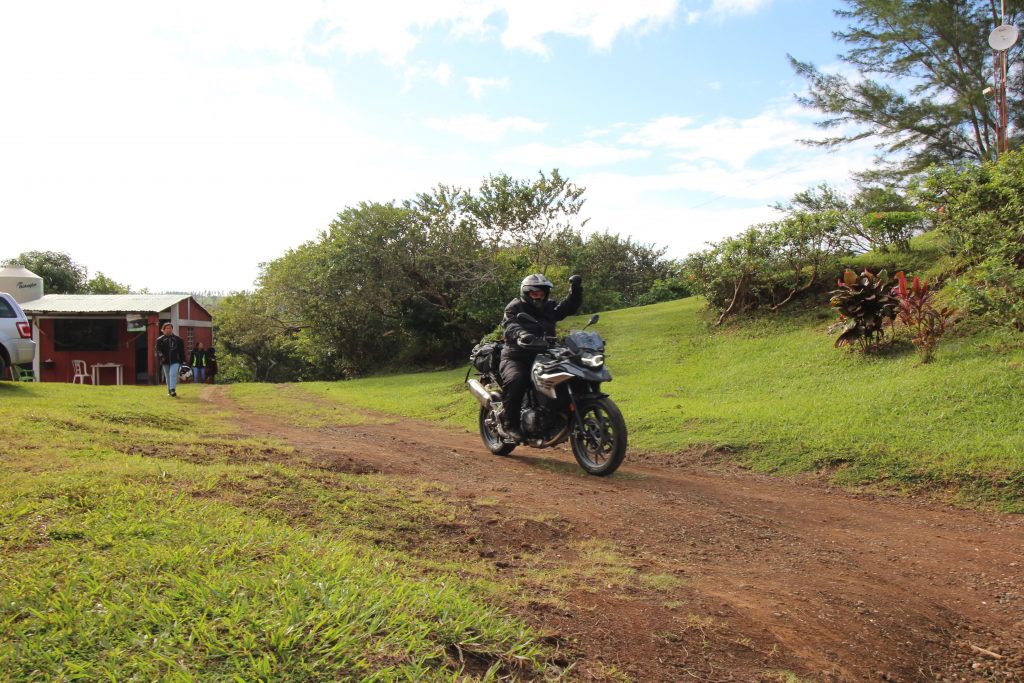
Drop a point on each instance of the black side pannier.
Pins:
(486, 357)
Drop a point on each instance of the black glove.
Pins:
(574, 282)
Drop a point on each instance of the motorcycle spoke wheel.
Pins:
(599, 438)
(495, 444)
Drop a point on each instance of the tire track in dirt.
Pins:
(774, 574)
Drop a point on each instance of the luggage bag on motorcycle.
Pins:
(486, 357)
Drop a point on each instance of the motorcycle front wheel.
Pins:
(599, 437)
(490, 435)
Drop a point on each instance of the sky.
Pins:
(176, 146)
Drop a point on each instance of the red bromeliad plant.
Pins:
(918, 313)
(864, 304)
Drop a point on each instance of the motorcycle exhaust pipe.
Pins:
(479, 392)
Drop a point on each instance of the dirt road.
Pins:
(736, 576)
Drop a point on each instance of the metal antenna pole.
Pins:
(1004, 144)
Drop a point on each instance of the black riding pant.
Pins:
(515, 379)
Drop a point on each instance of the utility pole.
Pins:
(1000, 40)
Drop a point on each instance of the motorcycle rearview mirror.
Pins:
(593, 319)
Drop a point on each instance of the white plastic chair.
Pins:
(81, 372)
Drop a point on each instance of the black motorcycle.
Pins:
(564, 400)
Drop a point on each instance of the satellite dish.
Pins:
(1003, 37)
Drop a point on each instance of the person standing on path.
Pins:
(211, 364)
(198, 363)
(170, 352)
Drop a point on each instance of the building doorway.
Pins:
(142, 352)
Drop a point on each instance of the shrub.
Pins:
(918, 313)
(666, 289)
(980, 209)
(768, 265)
(864, 305)
(892, 228)
(994, 290)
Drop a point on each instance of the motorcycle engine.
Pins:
(533, 421)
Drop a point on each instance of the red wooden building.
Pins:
(109, 330)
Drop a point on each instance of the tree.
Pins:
(617, 271)
(980, 211)
(101, 284)
(388, 286)
(772, 264)
(416, 284)
(61, 275)
(254, 345)
(877, 217)
(526, 213)
(937, 52)
(732, 273)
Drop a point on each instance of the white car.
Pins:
(16, 345)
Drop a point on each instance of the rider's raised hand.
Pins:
(575, 281)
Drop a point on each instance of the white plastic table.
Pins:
(118, 371)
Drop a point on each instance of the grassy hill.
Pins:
(774, 395)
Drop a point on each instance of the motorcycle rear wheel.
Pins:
(600, 445)
(495, 444)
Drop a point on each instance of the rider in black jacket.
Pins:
(517, 356)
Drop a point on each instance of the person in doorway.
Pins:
(211, 364)
(523, 340)
(170, 353)
(198, 363)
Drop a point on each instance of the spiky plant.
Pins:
(919, 314)
(864, 305)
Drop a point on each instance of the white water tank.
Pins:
(21, 283)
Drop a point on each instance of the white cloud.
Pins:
(391, 28)
(578, 155)
(682, 212)
(730, 141)
(440, 74)
(737, 6)
(682, 230)
(529, 21)
(479, 128)
(720, 9)
(476, 86)
(126, 125)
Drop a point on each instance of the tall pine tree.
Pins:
(922, 68)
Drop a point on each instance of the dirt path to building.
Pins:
(735, 576)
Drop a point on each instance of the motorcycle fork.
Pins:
(574, 409)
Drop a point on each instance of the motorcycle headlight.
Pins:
(595, 360)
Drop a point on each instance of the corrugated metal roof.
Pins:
(102, 303)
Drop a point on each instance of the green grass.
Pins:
(773, 394)
(927, 258)
(434, 396)
(142, 539)
(303, 410)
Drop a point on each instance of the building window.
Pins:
(191, 338)
(85, 334)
